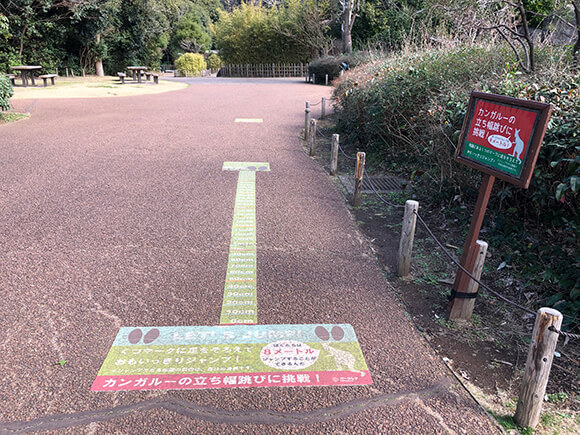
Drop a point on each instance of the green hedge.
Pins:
(333, 65)
(407, 111)
(6, 92)
(190, 63)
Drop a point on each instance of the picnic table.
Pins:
(137, 70)
(26, 71)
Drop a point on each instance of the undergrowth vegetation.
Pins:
(406, 112)
(6, 92)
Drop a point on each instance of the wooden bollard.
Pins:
(307, 121)
(323, 108)
(407, 238)
(461, 308)
(358, 179)
(334, 155)
(538, 365)
(312, 137)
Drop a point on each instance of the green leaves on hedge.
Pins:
(6, 92)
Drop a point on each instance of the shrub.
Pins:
(402, 107)
(214, 62)
(6, 92)
(408, 111)
(190, 64)
(332, 65)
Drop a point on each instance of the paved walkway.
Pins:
(116, 212)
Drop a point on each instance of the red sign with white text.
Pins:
(499, 136)
(502, 136)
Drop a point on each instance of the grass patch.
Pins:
(7, 117)
(508, 423)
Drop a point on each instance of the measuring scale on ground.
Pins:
(239, 352)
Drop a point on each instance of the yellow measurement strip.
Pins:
(240, 291)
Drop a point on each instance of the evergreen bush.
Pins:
(407, 112)
(214, 62)
(191, 64)
(6, 92)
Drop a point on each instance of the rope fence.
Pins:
(440, 244)
(548, 321)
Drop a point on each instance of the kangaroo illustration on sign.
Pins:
(342, 358)
(519, 146)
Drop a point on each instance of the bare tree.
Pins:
(576, 5)
(505, 18)
(518, 35)
(190, 45)
(349, 14)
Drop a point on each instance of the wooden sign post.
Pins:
(501, 137)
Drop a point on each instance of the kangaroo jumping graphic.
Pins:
(519, 145)
(342, 358)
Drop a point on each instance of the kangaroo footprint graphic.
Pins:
(136, 334)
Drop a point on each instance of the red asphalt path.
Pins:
(115, 212)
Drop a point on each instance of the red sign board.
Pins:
(501, 136)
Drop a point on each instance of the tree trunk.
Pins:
(99, 60)
(527, 36)
(348, 17)
(576, 48)
(21, 47)
(346, 42)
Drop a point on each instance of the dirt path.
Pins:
(116, 212)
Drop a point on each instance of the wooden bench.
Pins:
(147, 76)
(47, 76)
(122, 77)
(12, 78)
(155, 78)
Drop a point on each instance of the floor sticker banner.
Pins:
(234, 356)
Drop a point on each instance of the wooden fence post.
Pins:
(465, 310)
(312, 137)
(538, 365)
(458, 297)
(334, 155)
(307, 121)
(323, 108)
(407, 238)
(358, 179)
